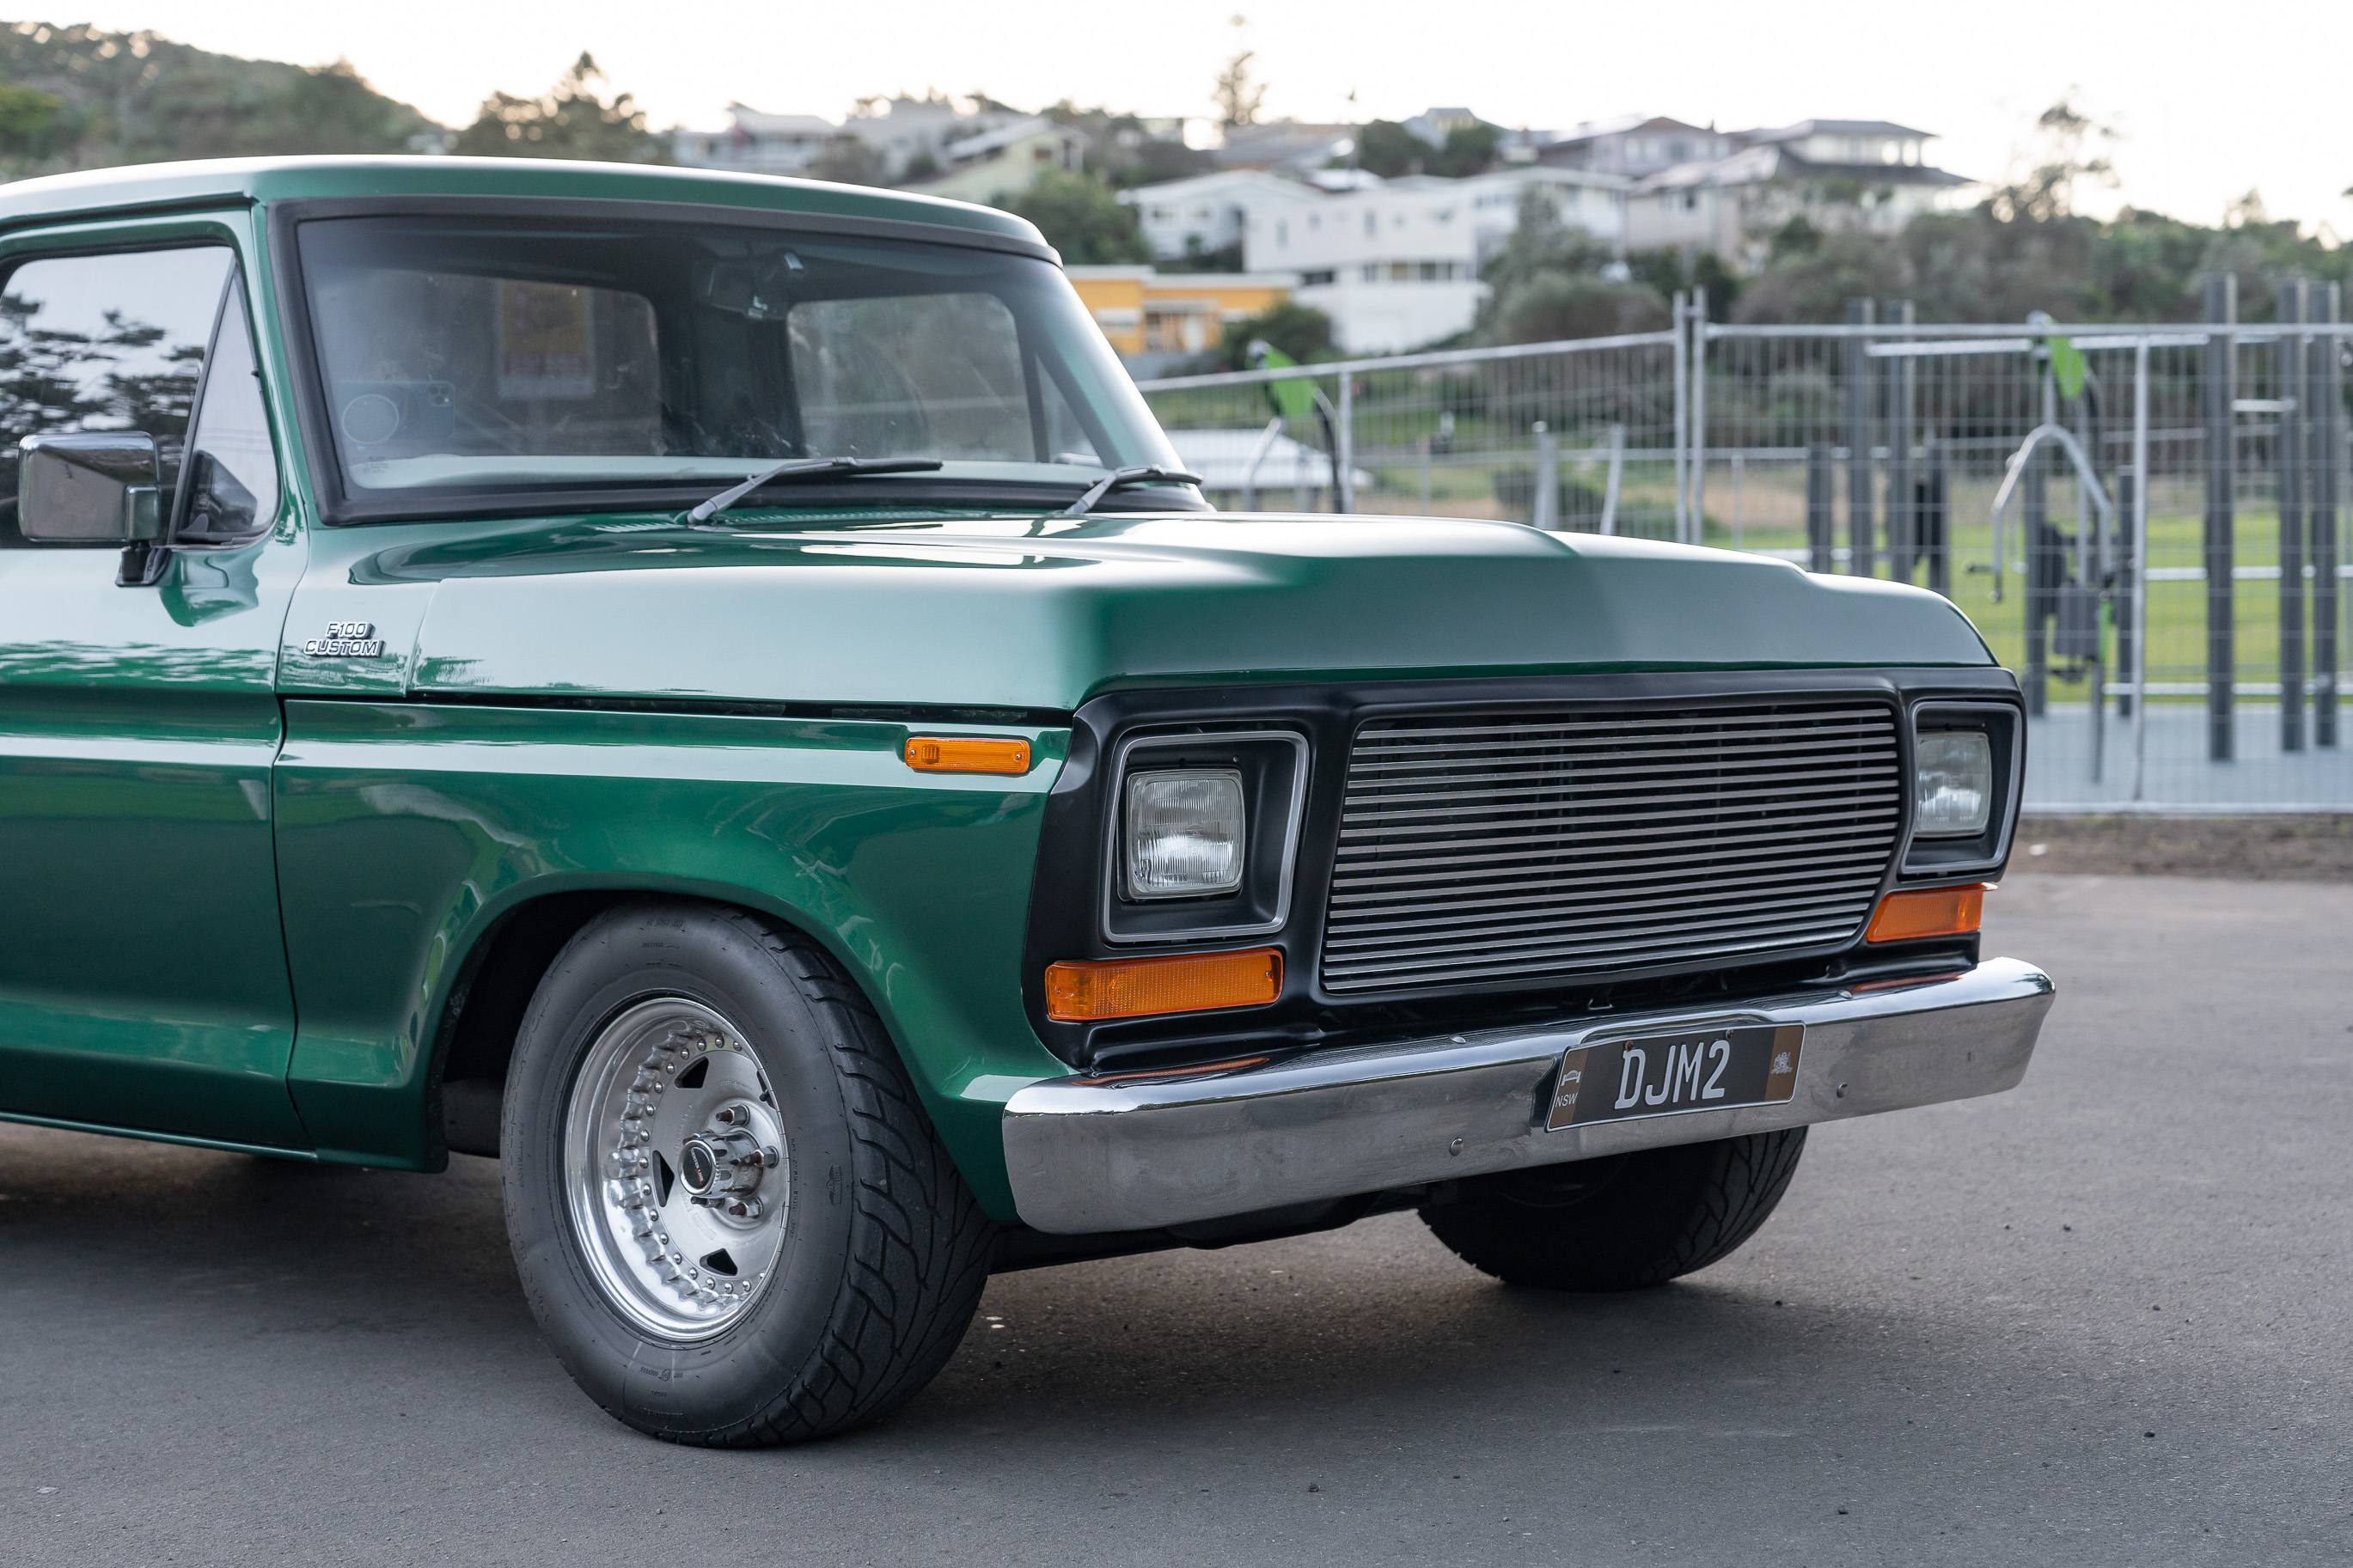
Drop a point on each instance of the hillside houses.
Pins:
(1395, 263)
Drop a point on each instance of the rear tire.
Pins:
(828, 1271)
(1624, 1222)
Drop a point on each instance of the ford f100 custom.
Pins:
(718, 693)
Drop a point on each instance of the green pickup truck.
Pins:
(717, 693)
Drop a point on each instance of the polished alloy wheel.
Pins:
(675, 1169)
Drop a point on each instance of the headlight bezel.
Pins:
(1946, 855)
(1273, 766)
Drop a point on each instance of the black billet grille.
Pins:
(1476, 849)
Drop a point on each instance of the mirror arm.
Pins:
(143, 564)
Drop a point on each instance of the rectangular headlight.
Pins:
(1185, 834)
(1952, 791)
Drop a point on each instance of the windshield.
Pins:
(459, 356)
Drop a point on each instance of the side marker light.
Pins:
(970, 755)
(1083, 991)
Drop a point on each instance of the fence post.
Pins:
(2289, 378)
(1343, 478)
(1897, 388)
(2121, 596)
(1617, 475)
(2042, 568)
(1698, 376)
(1683, 412)
(2221, 517)
(2325, 383)
(1548, 497)
(1860, 526)
(1935, 534)
(2141, 553)
(1818, 507)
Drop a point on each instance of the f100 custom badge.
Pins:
(346, 639)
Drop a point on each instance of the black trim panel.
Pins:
(1072, 849)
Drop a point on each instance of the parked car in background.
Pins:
(715, 692)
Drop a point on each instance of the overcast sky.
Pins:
(2211, 101)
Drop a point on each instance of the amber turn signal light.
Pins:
(934, 755)
(1932, 911)
(1081, 991)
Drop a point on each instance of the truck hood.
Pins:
(1020, 613)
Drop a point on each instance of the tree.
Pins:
(569, 120)
(82, 98)
(1082, 218)
(851, 162)
(2067, 156)
(28, 121)
(1237, 98)
(1389, 149)
(1302, 333)
(1550, 280)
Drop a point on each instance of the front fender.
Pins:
(408, 832)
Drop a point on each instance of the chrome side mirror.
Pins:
(98, 487)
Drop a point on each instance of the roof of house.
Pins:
(1593, 130)
(1805, 128)
(1756, 165)
(1261, 181)
(755, 119)
(981, 143)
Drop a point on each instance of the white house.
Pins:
(1207, 212)
(1865, 175)
(1398, 266)
(755, 142)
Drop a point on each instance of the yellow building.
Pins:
(1144, 311)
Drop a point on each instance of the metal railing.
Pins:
(2180, 494)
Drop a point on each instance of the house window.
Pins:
(1281, 232)
(1372, 222)
(1372, 270)
(1310, 279)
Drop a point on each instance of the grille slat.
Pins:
(1772, 789)
(1589, 843)
(1760, 841)
(1465, 918)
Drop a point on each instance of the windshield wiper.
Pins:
(1120, 479)
(809, 468)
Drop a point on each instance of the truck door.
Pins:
(142, 969)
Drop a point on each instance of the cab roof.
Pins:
(245, 182)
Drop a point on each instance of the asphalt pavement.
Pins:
(2105, 1319)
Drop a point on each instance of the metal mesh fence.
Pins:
(2180, 640)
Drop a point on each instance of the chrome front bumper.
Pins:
(1089, 1155)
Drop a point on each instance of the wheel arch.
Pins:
(478, 1018)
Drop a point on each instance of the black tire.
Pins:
(1624, 1221)
(882, 1252)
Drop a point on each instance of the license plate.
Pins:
(1659, 1074)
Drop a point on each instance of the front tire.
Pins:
(1624, 1221)
(733, 1220)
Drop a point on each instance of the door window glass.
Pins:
(233, 471)
(115, 341)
